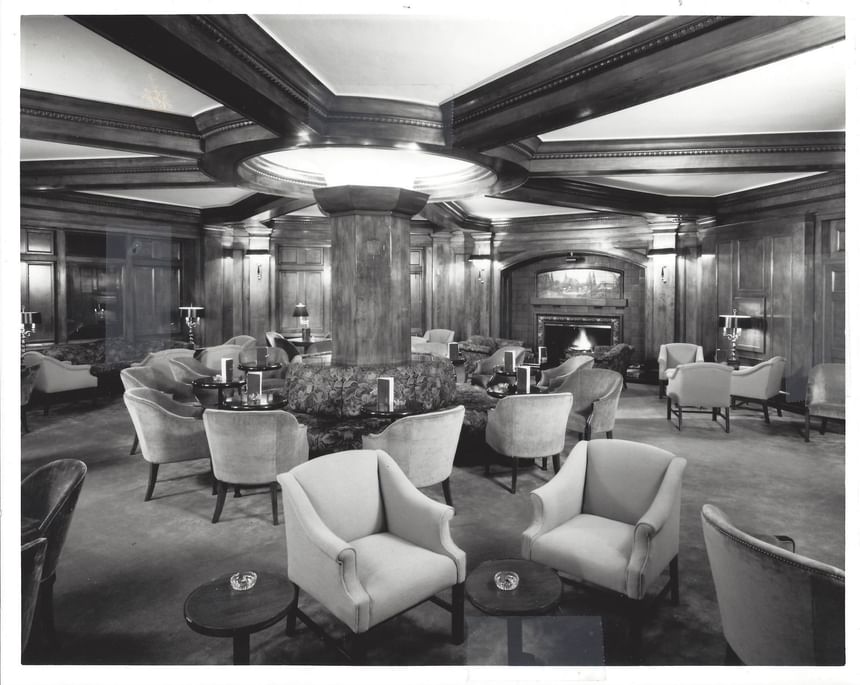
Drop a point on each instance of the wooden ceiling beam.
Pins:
(230, 58)
(635, 61)
(259, 206)
(789, 152)
(63, 119)
(114, 172)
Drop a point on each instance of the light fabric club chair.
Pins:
(242, 341)
(211, 356)
(611, 518)
(186, 370)
(777, 608)
(32, 561)
(528, 427)
(759, 384)
(169, 431)
(825, 395)
(699, 388)
(366, 543)
(595, 400)
(251, 448)
(161, 359)
(55, 377)
(152, 376)
(49, 496)
(485, 369)
(423, 446)
(675, 354)
(551, 379)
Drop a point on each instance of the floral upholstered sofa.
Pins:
(329, 399)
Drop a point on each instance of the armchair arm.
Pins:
(662, 361)
(559, 500)
(413, 516)
(552, 378)
(751, 382)
(603, 411)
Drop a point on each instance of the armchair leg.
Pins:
(543, 464)
(150, 486)
(291, 615)
(662, 389)
(609, 435)
(134, 444)
(674, 585)
(556, 462)
(514, 475)
(273, 489)
(668, 408)
(358, 649)
(446, 490)
(458, 614)
(806, 428)
(823, 427)
(24, 425)
(766, 413)
(728, 421)
(219, 503)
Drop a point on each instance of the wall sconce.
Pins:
(99, 309)
(192, 319)
(480, 259)
(29, 321)
(259, 252)
(301, 313)
(663, 276)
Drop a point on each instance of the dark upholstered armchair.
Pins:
(777, 608)
(617, 358)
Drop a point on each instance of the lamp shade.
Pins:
(300, 310)
(31, 318)
(191, 311)
(735, 320)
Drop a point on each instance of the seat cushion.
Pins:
(589, 548)
(829, 410)
(397, 574)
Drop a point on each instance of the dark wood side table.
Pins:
(268, 402)
(209, 383)
(217, 610)
(408, 408)
(539, 592)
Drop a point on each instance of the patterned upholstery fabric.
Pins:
(617, 358)
(110, 351)
(478, 347)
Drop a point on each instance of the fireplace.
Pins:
(566, 335)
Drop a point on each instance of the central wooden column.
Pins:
(370, 272)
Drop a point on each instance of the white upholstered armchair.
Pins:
(699, 388)
(674, 354)
(423, 446)
(610, 517)
(551, 379)
(758, 384)
(55, 376)
(366, 543)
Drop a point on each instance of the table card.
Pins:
(385, 393)
(541, 354)
(453, 350)
(524, 380)
(227, 369)
(510, 360)
(254, 383)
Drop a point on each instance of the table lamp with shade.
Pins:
(29, 321)
(301, 313)
(192, 315)
(732, 325)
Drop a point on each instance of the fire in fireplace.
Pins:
(565, 336)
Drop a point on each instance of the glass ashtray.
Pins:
(506, 580)
(243, 580)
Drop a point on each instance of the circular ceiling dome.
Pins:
(442, 176)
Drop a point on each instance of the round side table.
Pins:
(217, 610)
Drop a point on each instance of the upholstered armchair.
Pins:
(275, 339)
(366, 543)
(423, 446)
(595, 400)
(242, 341)
(56, 376)
(169, 431)
(610, 518)
(617, 358)
(32, 561)
(49, 496)
(699, 388)
(185, 370)
(758, 384)
(777, 608)
(485, 368)
(251, 449)
(825, 395)
(152, 376)
(528, 427)
(439, 335)
(551, 379)
(672, 355)
(161, 359)
(211, 356)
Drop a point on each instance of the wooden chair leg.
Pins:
(609, 434)
(24, 425)
(556, 462)
(458, 614)
(668, 408)
(662, 389)
(674, 585)
(291, 615)
(514, 475)
(806, 428)
(219, 503)
(728, 421)
(273, 489)
(543, 464)
(134, 444)
(150, 486)
(823, 426)
(446, 490)
(766, 412)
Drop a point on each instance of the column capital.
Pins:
(341, 200)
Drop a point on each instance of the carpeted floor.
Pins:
(128, 565)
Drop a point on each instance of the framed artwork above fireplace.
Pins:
(579, 283)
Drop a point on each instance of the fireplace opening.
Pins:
(565, 336)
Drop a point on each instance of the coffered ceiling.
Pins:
(576, 112)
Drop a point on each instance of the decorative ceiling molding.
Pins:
(643, 58)
(113, 172)
(59, 118)
(820, 188)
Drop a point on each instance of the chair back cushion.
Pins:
(622, 478)
(439, 335)
(529, 425)
(186, 370)
(680, 353)
(343, 489)
(825, 390)
(701, 384)
(777, 608)
(49, 495)
(588, 384)
(242, 341)
(423, 446)
(168, 431)
(253, 447)
(211, 356)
